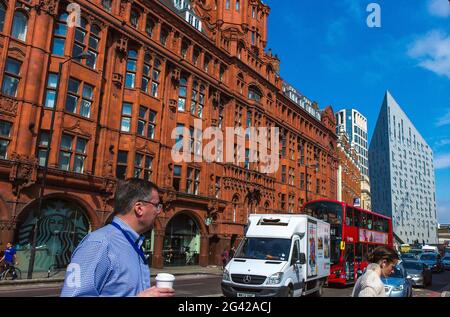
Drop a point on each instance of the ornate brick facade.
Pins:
(151, 66)
(348, 174)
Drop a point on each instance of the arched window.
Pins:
(134, 18)
(254, 93)
(59, 35)
(130, 78)
(182, 94)
(20, 26)
(2, 15)
(149, 26)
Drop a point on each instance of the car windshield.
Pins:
(429, 257)
(265, 249)
(413, 265)
(408, 256)
(397, 272)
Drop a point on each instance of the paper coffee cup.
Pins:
(164, 280)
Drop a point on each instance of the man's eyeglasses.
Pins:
(158, 206)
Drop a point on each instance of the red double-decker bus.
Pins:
(354, 232)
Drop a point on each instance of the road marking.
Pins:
(190, 284)
(213, 295)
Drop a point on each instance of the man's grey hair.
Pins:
(129, 192)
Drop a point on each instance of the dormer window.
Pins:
(180, 4)
(134, 18)
(254, 94)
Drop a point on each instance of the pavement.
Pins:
(42, 278)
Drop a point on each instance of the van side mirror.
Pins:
(302, 258)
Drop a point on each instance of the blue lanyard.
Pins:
(136, 248)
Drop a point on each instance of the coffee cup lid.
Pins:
(165, 277)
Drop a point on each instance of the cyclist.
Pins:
(10, 259)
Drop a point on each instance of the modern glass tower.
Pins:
(355, 125)
(402, 175)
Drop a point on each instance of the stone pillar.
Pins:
(35, 68)
(158, 259)
(204, 250)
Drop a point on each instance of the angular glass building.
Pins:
(402, 175)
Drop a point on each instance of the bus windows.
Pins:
(369, 222)
(357, 216)
(358, 252)
(384, 225)
(362, 220)
(349, 216)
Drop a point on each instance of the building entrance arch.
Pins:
(64, 223)
(182, 241)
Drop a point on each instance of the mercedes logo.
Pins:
(247, 279)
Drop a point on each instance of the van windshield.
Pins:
(265, 249)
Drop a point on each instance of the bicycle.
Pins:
(54, 269)
(8, 273)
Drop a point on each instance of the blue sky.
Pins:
(328, 52)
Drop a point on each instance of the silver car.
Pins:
(397, 284)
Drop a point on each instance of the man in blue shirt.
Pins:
(10, 258)
(110, 261)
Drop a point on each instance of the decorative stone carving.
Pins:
(117, 79)
(8, 105)
(168, 199)
(175, 75)
(23, 173)
(122, 47)
(76, 128)
(123, 7)
(47, 6)
(108, 169)
(173, 105)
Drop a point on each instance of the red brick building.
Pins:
(348, 174)
(151, 66)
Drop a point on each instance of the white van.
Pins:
(429, 248)
(280, 255)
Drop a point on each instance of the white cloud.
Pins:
(442, 161)
(442, 143)
(433, 52)
(439, 8)
(444, 120)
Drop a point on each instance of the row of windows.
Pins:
(151, 71)
(146, 123)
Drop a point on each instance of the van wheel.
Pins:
(289, 292)
(319, 292)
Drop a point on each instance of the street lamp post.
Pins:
(316, 166)
(44, 176)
